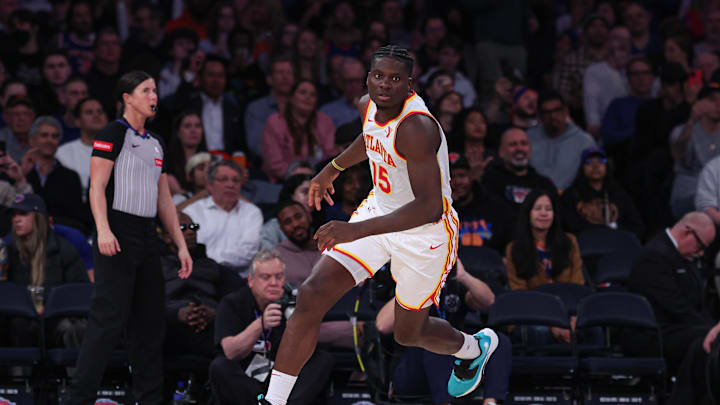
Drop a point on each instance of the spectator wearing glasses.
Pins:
(344, 109)
(557, 144)
(665, 274)
(248, 329)
(618, 124)
(231, 224)
(19, 114)
(190, 303)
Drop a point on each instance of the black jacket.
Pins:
(486, 221)
(672, 284)
(628, 219)
(62, 193)
(188, 97)
(63, 264)
(500, 181)
(207, 283)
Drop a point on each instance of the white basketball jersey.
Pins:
(388, 168)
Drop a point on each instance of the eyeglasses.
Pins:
(701, 245)
(554, 111)
(192, 227)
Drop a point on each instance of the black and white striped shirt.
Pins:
(139, 162)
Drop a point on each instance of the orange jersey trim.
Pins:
(407, 100)
(355, 258)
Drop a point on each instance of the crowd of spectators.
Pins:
(560, 116)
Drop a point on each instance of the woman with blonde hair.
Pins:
(41, 260)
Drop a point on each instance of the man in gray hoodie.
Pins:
(556, 143)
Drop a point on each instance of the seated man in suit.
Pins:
(665, 274)
(221, 116)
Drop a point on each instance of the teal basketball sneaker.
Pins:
(467, 374)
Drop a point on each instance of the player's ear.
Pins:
(410, 83)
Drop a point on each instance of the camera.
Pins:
(288, 300)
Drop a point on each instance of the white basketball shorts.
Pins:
(420, 257)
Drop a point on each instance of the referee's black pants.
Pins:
(129, 298)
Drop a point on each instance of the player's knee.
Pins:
(310, 297)
(406, 336)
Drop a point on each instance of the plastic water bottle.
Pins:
(180, 394)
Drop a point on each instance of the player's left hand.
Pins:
(335, 232)
(185, 263)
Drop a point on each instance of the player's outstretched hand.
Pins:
(335, 232)
(186, 264)
(321, 188)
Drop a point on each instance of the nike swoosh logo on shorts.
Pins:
(135, 146)
(435, 247)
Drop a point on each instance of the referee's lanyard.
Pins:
(266, 338)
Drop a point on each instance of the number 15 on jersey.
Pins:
(380, 177)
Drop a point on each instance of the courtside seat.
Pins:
(15, 301)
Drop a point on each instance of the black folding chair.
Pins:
(536, 369)
(485, 264)
(597, 242)
(530, 308)
(569, 293)
(588, 341)
(600, 241)
(626, 311)
(72, 300)
(613, 270)
(16, 302)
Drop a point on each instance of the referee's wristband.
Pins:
(337, 166)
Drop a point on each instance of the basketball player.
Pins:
(407, 217)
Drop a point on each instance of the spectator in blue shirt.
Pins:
(344, 109)
(619, 122)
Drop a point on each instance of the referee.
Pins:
(128, 188)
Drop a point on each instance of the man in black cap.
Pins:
(651, 172)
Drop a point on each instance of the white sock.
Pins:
(281, 385)
(469, 350)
